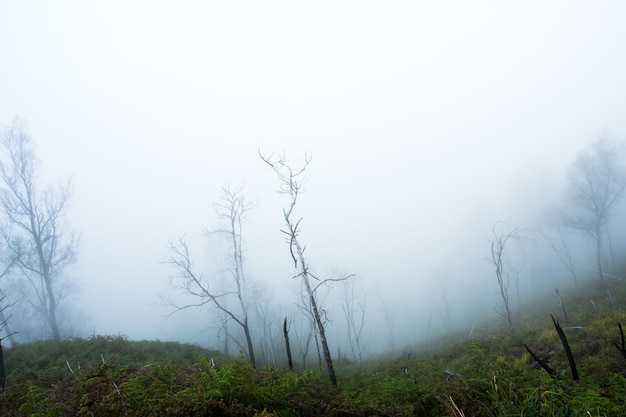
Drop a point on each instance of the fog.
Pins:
(427, 124)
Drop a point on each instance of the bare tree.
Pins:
(354, 312)
(561, 247)
(34, 231)
(498, 244)
(233, 209)
(304, 334)
(441, 299)
(389, 324)
(597, 180)
(267, 319)
(291, 185)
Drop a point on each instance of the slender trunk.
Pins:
(316, 313)
(246, 330)
(51, 308)
(226, 339)
(46, 276)
(611, 253)
(286, 334)
(598, 232)
(291, 186)
(240, 280)
(322, 332)
(317, 317)
(317, 349)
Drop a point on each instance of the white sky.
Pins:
(427, 121)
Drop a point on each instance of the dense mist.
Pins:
(430, 129)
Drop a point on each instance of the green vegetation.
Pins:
(490, 375)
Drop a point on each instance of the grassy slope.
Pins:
(487, 376)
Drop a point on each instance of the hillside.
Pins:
(490, 375)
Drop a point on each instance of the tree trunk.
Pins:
(598, 232)
(246, 330)
(52, 317)
(226, 339)
(286, 334)
(290, 186)
(46, 276)
(320, 327)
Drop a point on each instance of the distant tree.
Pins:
(232, 208)
(497, 258)
(441, 299)
(305, 332)
(388, 315)
(34, 230)
(597, 180)
(290, 179)
(556, 240)
(267, 322)
(354, 310)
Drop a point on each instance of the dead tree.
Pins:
(621, 347)
(197, 285)
(568, 350)
(291, 185)
(498, 244)
(560, 246)
(267, 316)
(542, 361)
(354, 312)
(287, 346)
(307, 331)
(233, 209)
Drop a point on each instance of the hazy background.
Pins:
(427, 121)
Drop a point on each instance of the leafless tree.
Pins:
(497, 258)
(354, 312)
(441, 298)
(267, 319)
(233, 209)
(560, 246)
(389, 324)
(304, 335)
(290, 179)
(597, 180)
(34, 229)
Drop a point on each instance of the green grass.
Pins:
(490, 375)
